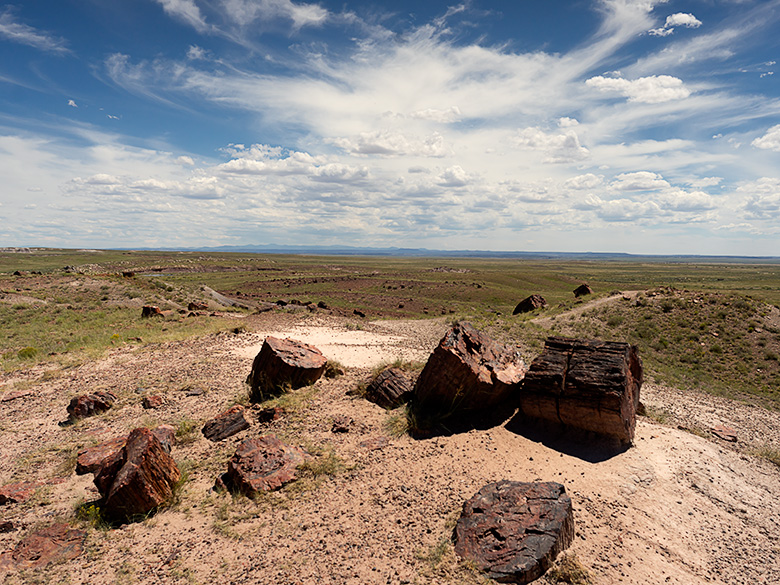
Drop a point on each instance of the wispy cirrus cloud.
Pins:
(18, 32)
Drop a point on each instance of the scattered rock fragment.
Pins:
(359, 313)
(261, 465)
(726, 433)
(582, 290)
(151, 402)
(6, 526)
(90, 404)
(226, 424)
(56, 543)
(514, 530)
(283, 362)
(16, 493)
(151, 311)
(390, 389)
(529, 304)
(90, 459)
(270, 414)
(197, 306)
(14, 395)
(591, 385)
(341, 424)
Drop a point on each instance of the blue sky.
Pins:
(637, 126)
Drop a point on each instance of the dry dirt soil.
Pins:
(677, 507)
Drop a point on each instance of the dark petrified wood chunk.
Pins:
(390, 389)
(529, 304)
(514, 530)
(56, 543)
(226, 425)
(283, 362)
(90, 404)
(261, 465)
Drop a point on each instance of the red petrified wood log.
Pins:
(261, 465)
(591, 385)
(513, 530)
(529, 304)
(90, 404)
(390, 389)
(56, 543)
(226, 424)
(282, 362)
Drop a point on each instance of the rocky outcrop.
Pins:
(53, 544)
(514, 530)
(467, 373)
(582, 290)
(90, 404)
(261, 465)
(138, 478)
(591, 385)
(529, 304)
(284, 362)
(390, 389)
(226, 424)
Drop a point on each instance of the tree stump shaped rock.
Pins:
(513, 531)
(591, 385)
(529, 304)
(283, 362)
(90, 404)
(226, 424)
(468, 372)
(138, 478)
(390, 389)
(261, 465)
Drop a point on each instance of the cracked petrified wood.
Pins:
(226, 424)
(56, 543)
(137, 478)
(261, 465)
(587, 384)
(390, 389)
(467, 372)
(529, 304)
(283, 362)
(90, 404)
(514, 530)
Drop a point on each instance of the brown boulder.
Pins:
(529, 304)
(390, 389)
(153, 401)
(90, 404)
(587, 384)
(226, 424)
(270, 414)
(151, 311)
(582, 290)
(197, 306)
(514, 530)
(138, 478)
(283, 362)
(261, 465)
(56, 543)
(467, 373)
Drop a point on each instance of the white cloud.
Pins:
(639, 181)
(72, 104)
(387, 143)
(762, 200)
(245, 12)
(185, 161)
(451, 114)
(692, 201)
(186, 11)
(558, 148)
(587, 181)
(566, 122)
(455, 176)
(770, 140)
(17, 32)
(682, 19)
(706, 182)
(651, 90)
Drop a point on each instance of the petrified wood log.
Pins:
(151, 311)
(137, 478)
(283, 362)
(467, 372)
(529, 304)
(90, 459)
(514, 530)
(390, 389)
(261, 465)
(90, 404)
(582, 290)
(226, 424)
(588, 384)
(56, 543)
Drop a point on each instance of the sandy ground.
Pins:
(674, 508)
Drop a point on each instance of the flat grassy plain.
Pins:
(713, 324)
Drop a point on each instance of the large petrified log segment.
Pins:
(137, 478)
(261, 465)
(588, 384)
(56, 543)
(226, 424)
(529, 304)
(390, 389)
(282, 362)
(90, 459)
(514, 530)
(466, 373)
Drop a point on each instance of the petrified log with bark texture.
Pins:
(138, 478)
(513, 530)
(588, 384)
(467, 372)
(261, 465)
(282, 362)
(226, 425)
(90, 404)
(90, 459)
(390, 389)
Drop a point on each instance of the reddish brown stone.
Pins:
(390, 389)
(283, 362)
(151, 311)
(375, 443)
(153, 401)
(9, 396)
(90, 459)
(341, 424)
(529, 304)
(138, 478)
(270, 414)
(582, 290)
(226, 424)
(468, 372)
(261, 465)
(90, 404)
(56, 543)
(725, 433)
(514, 530)
(587, 384)
(196, 306)
(16, 493)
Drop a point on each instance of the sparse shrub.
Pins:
(27, 353)
(333, 369)
(186, 430)
(615, 320)
(569, 569)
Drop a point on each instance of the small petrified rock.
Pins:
(7, 526)
(226, 424)
(468, 372)
(151, 311)
(390, 389)
(261, 465)
(16, 493)
(270, 414)
(582, 290)
(153, 401)
(586, 384)
(197, 306)
(90, 404)
(725, 433)
(138, 478)
(514, 530)
(284, 362)
(56, 543)
(529, 304)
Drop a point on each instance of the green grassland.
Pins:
(711, 324)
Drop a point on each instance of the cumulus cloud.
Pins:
(639, 181)
(620, 210)
(388, 143)
(454, 176)
(762, 199)
(567, 122)
(13, 30)
(186, 11)
(586, 181)
(650, 90)
(770, 140)
(674, 20)
(558, 148)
